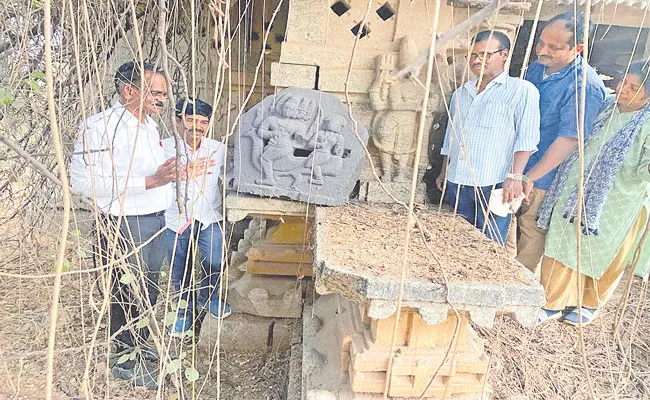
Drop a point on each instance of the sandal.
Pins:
(588, 315)
(547, 315)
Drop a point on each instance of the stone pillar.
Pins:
(272, 258)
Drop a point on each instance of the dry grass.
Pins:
(546, 362)
(374, 234)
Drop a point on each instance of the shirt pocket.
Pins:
(496, 116)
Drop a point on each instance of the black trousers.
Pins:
(131, 297)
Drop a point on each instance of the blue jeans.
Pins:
(208, 242)
(472, 205)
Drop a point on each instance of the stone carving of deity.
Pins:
(396, 108)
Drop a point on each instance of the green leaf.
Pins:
(124, 358)
(32, 84)
(81, 253)
(170, 318)
(191, 374)
(144, 322)
(37, 3)
(133, 355)
(182, 304)
(163, 274)
(6, 97)
(173, 366)
(37, 75)
(66, 266)
(76, 233)
(127, 278)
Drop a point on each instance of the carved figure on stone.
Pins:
(278, 133)
(327, 157)
(397, 105)
(299, 144)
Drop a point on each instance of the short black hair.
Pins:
(129, 73)
(192, 106)
(501, 37)
(575, 23)
(642, 70)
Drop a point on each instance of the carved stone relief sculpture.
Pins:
(396, 108)
(299, 144)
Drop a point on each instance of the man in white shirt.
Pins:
(119, 162)
(493, 129)
(199, 227)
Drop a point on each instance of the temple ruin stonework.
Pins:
(301, 145)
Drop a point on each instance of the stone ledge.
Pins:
(483, 301)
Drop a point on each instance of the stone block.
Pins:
(293, 75)
(266, 296)
(243, 332)
(300, 145)
(372, 191)
(334, 80)
(239, 205)
(291, 230)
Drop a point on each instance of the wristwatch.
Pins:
(518, 177)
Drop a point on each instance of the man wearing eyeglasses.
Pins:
(557, 74)
(119, 162)
(493, 129)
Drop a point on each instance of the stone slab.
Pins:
(300, 145)
(482, 300)
(293, 75)
(239, 206)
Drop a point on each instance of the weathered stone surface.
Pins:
(293, 75)
(301, 145)
(243, 332)
(482, 300)
(266, 296)
(331, 368)
(239, 206)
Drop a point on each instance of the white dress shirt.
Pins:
(113, 155)
(203, 203)
(486, 129)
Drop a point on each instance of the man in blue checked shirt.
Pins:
(557, 74)
(493, 129)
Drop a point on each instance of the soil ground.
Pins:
(541, 363)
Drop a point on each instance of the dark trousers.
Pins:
(473, 205)
(130, 299)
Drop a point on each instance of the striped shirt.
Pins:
(486, 129)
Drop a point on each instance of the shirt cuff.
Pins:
(568, 133)
(524, 147)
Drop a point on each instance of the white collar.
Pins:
(130, 119)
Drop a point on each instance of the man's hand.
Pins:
(528, 189)
(198, 167)
(440, 181)
(165, 174)
(512, 189)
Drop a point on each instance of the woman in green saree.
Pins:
(616, 187)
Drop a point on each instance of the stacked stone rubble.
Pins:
(421, 351)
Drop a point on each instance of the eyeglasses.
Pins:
(481, 56)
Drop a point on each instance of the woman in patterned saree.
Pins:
(616, 187)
